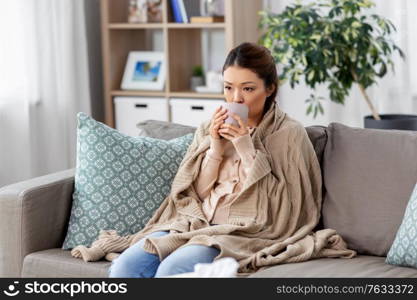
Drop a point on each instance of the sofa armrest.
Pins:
(33, 217)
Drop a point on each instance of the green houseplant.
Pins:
(198, 71)
(197, 77)
(331, 42)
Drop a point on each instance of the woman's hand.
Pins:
(217, 120)
(230, 132)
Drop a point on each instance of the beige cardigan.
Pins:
(222, 174)
(270, 222)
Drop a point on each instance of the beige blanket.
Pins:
(272, 220)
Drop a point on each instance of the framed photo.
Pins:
(145, 70)
(154, 11)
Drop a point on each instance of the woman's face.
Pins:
(241, 85)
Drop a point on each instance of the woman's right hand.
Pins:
(216, 121)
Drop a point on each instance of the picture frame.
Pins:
(144, 70)
(154, 11)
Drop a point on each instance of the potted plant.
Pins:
(197, 77)
(334, 42)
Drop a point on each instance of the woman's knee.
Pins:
(121, 267)
(135, 262)
(184, 259)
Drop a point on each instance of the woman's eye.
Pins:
(227, 87)
(249, 89)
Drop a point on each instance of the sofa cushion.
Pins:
(318, 137)
(163, 130)
(119, 180)
(403, 251)
(359, 266)
(60, 264)
(368, 175)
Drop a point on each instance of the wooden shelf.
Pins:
(130, 26)
(196, 25)
(138, 93)
(190, 94)
(181, 42)
(181, 94)
(136, 26)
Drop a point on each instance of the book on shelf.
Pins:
(191, 8)
(183, 12)
(213, 19)
(176, 11)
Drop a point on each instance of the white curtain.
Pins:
(43, 84)
(395, 93)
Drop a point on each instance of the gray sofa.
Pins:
(368, 176)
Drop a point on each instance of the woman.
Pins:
(251, 192)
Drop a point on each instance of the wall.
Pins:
(92, 16)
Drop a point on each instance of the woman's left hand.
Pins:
(230, 132)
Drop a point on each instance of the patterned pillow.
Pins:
(119, 180)
(403, 251)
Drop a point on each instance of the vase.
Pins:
(196, 81)
(392, 121)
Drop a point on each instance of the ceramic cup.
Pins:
(239, 109)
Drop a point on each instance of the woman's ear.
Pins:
(270, 89)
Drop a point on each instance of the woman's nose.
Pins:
(237, 97)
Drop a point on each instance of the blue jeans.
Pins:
(136, 262)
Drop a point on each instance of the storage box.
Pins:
(193, 111)
(129, 111)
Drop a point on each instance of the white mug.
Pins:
(240, 109)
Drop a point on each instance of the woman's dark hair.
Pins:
(259, 60)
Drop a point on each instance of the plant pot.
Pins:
(392, 121)
(196, 81)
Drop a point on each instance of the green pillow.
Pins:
(120, 180)
(403, 251)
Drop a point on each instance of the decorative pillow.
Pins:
(367, 186)
(318, 138)
(163, 130)
(119, 180)
(403, 251)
